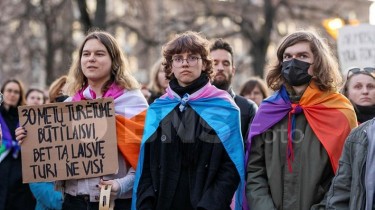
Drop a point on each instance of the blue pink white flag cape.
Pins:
(218, 110)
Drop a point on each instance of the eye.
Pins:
(358, 86)
(193, 58)
(226, 63)
(287, 57)
(370, 86)
(179, 60)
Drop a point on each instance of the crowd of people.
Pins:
(290, 142)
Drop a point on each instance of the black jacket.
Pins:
(186, 166)
(14, 195)
(247, 110)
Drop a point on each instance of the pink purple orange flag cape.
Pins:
(130, 110)
(330, 115)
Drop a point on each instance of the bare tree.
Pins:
(38, 37)
(99, 20)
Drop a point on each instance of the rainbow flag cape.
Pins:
(130, 110)
(217, 109)
(330, 115)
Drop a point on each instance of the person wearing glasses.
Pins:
(13, 193)
(298, 133)
(359, 88)
(222, 55)
(192, 153)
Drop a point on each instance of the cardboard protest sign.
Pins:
(356, 47)
(70, 140)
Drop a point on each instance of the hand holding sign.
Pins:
(21, 134)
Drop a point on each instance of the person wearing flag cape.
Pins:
(191, 153)
(298, 133)
(99, 71)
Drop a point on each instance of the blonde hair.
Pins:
(154, 85)
(119, 72)
(55, 88)
(326, 72)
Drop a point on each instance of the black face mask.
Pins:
(295, 72)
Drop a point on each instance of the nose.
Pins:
(185, 62)
(220, 67)
(365, 90)
(92, 58)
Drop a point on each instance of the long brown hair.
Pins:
(119, 73)
(253, 82)
(21, 100)
(325, 73)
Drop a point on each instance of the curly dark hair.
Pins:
(191, 42)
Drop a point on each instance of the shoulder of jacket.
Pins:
(359, 134)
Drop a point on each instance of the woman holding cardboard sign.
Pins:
(99, 71)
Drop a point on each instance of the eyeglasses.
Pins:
(191, 60)
(367, 70)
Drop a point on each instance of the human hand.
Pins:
(21, 134)
(115, 185)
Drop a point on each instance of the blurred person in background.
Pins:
(35, 96)
(159, 81)
(255, 89)
(224, 69)
(14, 195)
(359, 88)
(145, 91)
(58, 90)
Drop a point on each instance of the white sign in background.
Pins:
(356, 47)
